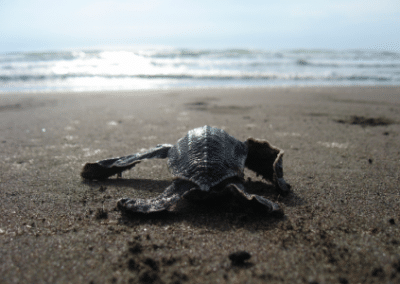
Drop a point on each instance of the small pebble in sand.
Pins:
(239, 257)
(101, 214)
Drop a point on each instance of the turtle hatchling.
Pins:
(206, 160)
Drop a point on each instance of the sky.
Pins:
(43, 25)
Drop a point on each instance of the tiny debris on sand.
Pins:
(239, 257)
(366, 121)
(101, 214)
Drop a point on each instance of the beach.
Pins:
(340, 222)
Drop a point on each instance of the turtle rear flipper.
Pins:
(257, 202)
(105, 168)
(164, 201)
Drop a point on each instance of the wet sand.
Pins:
(340, 224)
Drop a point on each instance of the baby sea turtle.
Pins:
(207, 160)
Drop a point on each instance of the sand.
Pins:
(340, 224)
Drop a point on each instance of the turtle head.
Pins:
(266, 160)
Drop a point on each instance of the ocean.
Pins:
(164, 68)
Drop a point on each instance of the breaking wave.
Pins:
(164, 68)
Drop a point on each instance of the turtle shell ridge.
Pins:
(206, 156)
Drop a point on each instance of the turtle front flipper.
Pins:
(164, 201)
(266, 160)
(255, 201)
(105, 168)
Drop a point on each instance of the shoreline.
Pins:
(340, 224)
(201, 88)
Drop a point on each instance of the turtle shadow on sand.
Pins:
(206, 215)
(220, 212)
(158, 186)
(217, 212)
(139, 184)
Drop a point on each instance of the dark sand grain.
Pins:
(341, 222)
